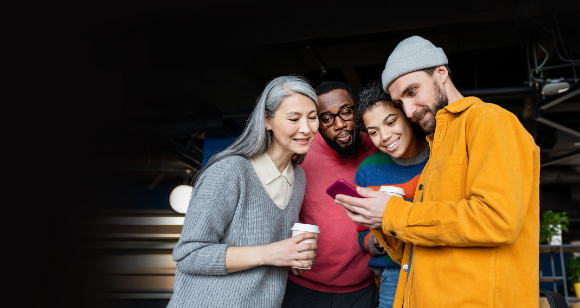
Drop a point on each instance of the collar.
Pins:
(461, 104)
(269, 172)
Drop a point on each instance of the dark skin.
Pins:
(332, 102)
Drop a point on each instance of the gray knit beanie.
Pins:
(412, 54)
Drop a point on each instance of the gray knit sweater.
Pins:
(230, 207)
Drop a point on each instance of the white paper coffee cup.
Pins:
(299, 228)
(393, 191)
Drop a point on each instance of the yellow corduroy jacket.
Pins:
(473, 228)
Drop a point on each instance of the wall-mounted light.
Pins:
(555, 86)
(179, 198)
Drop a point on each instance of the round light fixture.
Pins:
(179, 198)
(555, 86)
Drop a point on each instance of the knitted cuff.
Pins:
(374, 250)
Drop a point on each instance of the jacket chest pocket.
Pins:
(446, 179)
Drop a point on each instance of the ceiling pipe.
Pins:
(499, 91)
(560, 99)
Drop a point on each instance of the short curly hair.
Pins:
(369, 97)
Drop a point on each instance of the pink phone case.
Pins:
(342, 187)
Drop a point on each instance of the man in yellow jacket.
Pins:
(470, 237)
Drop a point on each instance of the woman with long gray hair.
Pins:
(236, 244)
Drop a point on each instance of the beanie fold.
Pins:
(412, 54)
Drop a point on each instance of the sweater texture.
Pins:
(230, 207)
(341, 266)
(380, 169)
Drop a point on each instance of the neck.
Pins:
(279, 157)
(452, 92)
(416, 147)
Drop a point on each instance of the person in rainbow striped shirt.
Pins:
(403, 153)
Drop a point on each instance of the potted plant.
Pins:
(551, 226)
(574, 271)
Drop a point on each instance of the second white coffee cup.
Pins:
(393, 191)
(299, 228)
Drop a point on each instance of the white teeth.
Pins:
(393, 144)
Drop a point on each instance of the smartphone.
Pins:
(342, 187)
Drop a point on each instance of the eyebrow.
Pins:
(339, 108)
(409, 87)
(298, 113)
(385, 119)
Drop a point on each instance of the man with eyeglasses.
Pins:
(340, 277)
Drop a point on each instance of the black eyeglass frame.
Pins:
(334, 116)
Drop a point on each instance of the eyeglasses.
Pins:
(346, 113)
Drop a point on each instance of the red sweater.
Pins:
(341, 266)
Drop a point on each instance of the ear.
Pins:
(268, 121)
(442, 73)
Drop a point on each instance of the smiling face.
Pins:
(391, 131)
(341, 135)
(421, 96)
(293, 126)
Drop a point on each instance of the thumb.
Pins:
(364, 191)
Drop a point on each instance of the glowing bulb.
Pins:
(179, 198)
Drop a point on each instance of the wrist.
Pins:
(262, 254)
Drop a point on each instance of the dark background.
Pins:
(127, 97)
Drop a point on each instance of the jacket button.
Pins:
(421, 187)
(393, 233)
(406, 267)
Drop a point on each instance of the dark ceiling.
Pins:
(151, 82)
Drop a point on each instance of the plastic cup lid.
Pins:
(393, 190)
(305, 227)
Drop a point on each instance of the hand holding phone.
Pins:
(342, 187)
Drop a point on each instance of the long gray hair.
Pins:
(255, 139)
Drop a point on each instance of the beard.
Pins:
(346, 150)
(441, 101)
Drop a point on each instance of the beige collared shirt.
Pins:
(278, 185)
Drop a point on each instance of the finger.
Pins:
(301, 264)
(302, 270)
(304, 256)
(307, 246)
(303, 236)
(367, 192)
(352, 208)
(351, 201)
(359, 219)
(296, 271)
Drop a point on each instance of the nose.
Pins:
(339, 123)
(409, 109)
(385, 133)
(304, 127)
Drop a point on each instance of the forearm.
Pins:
(243, 258)
(469, 222)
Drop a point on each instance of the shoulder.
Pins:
(231, 167)
(378, 158)
(482, 109)
(299, 175)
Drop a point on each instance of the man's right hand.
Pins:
(367, 211)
